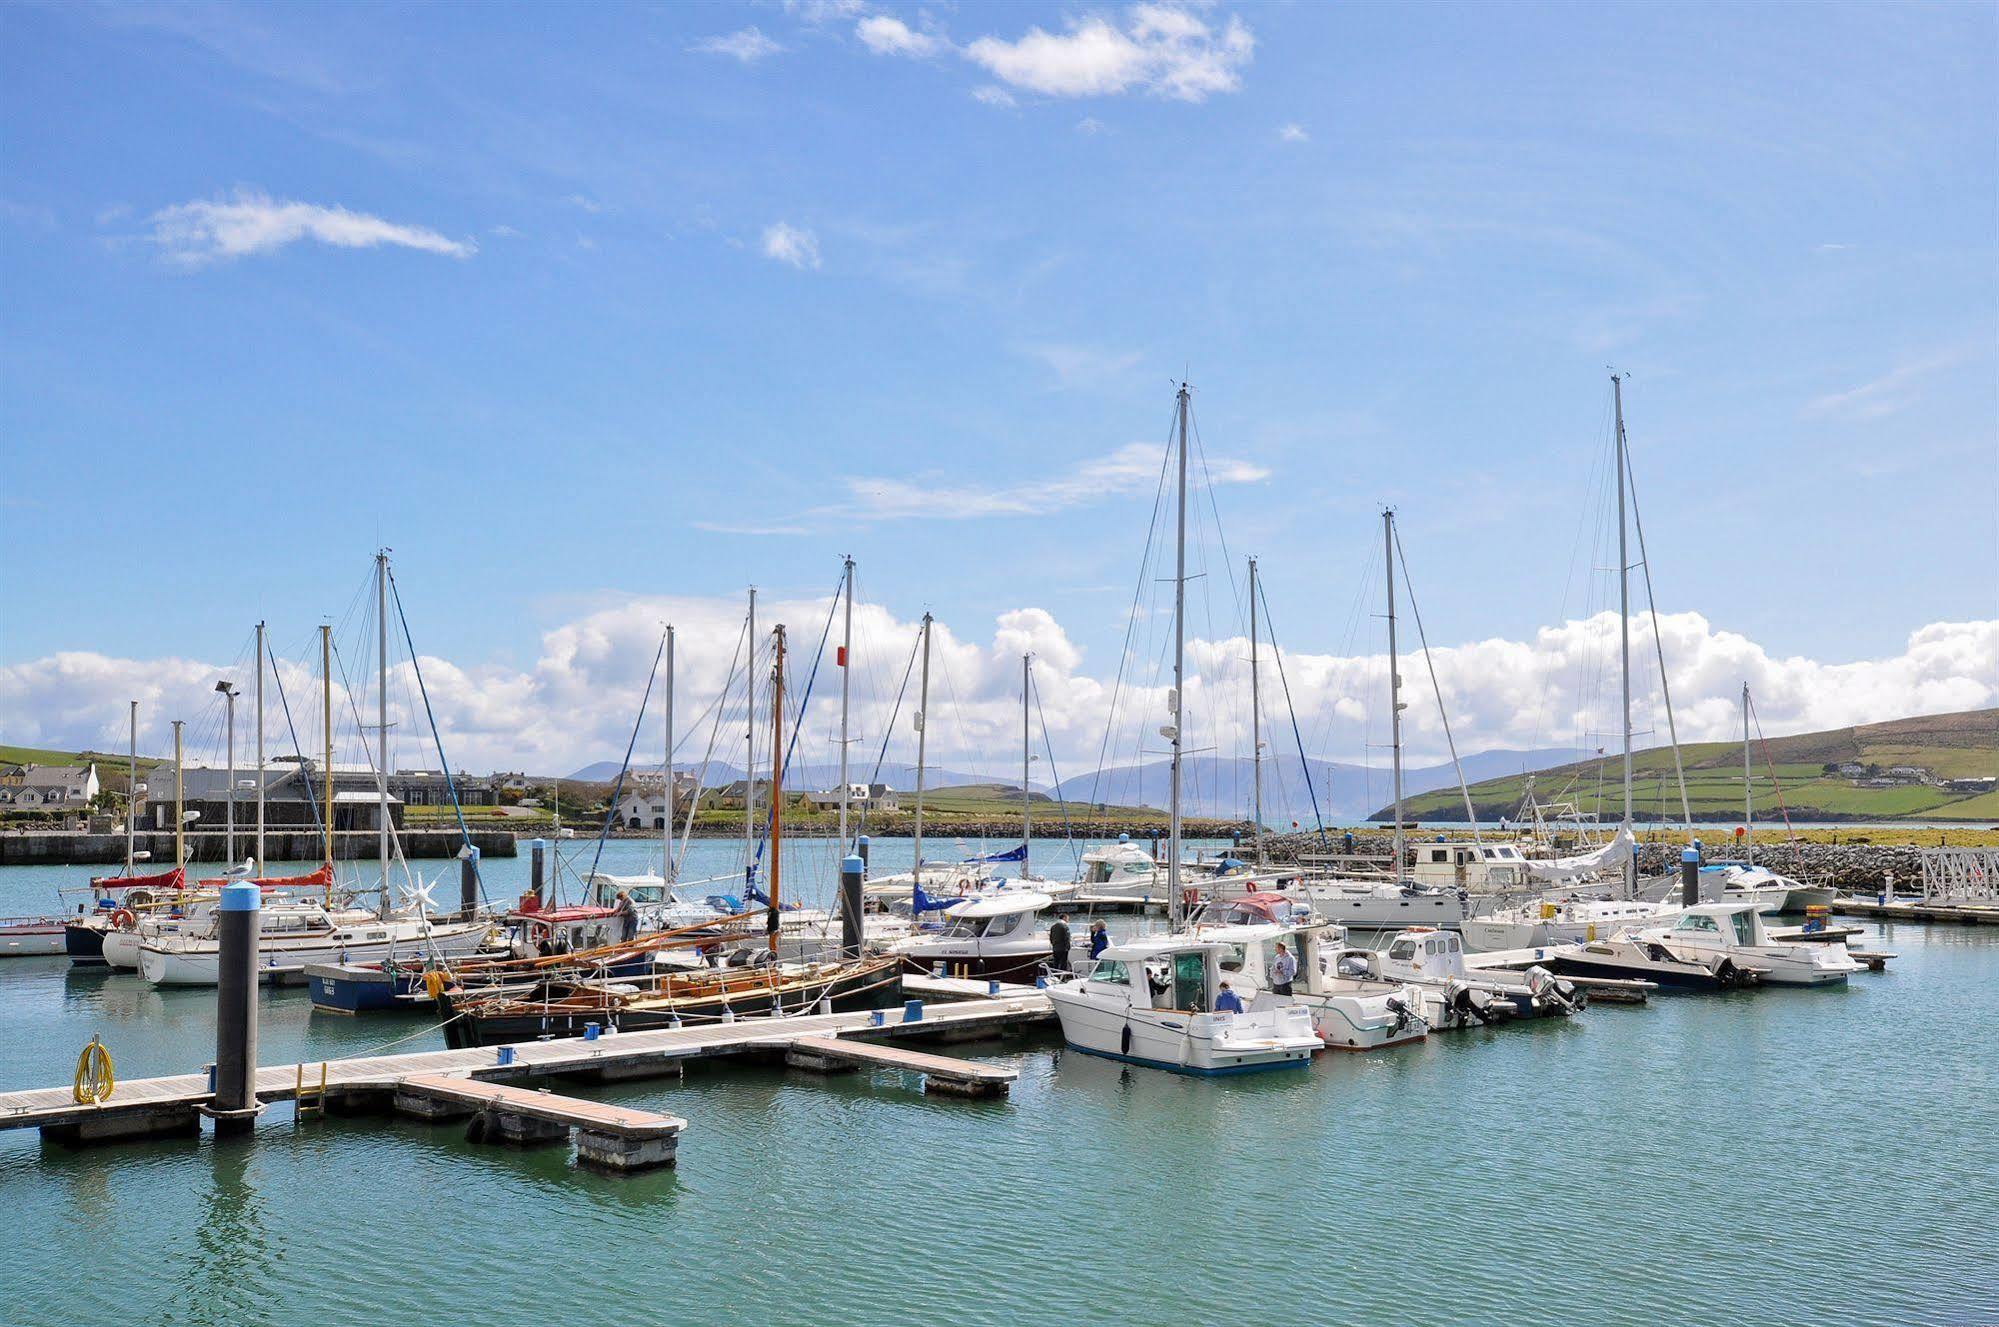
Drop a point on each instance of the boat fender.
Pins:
(433, 983)
(1124, 1040)
(477, 1128)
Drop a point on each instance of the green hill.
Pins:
(1943, 746)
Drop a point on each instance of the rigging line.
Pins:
(1296, 736)
(368, 755)
(1658, 643)
(708, 756)
(1777, 784)
(1131, 620)
(444, 762)
(1061, 798)
(1409, 589)
(611, 813)
(311, 795)
(888, 731)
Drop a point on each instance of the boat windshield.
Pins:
(1111, 972)
(1697, 921)
(1745, 928)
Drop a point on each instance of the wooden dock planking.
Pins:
(55, 1108)
(1916, 910)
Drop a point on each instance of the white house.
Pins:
(50, 787)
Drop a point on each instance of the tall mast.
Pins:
(776, 777)
(180, 805)
(1175, 911)
(229, 822)
(750, 748)
(846, 678)
(1026, 764)
(1624, 627)
(666, 871)
(382, 718)
(132, 789)
(1255, 724)
(922, 747)
(1748, 795)
(1394, 680)
(260, 748)
(326, 731)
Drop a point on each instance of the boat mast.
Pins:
(326, 731)
(229, 802)
(1624, 630)
(750, 749)
(666, 871)
(1255, 724)
(260, 748)
(382, 719)
(846, 678)
(1748, 794)
(1175, 912)
(776, 778)
(922, 747)
(180, 805)
(1394, 681)
(1026, 764)
(132, 789)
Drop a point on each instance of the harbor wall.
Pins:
(60, 848)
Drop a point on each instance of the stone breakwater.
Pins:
(1854, 866)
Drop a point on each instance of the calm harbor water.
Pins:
(1772, 1156)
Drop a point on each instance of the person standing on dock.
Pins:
(1100, 940)
(1058, 946)
(628, 916)
(1283, 971)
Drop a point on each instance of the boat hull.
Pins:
(40, 938)
(1184, 1042)
(877, 986)
(286, 959)
(84, 943)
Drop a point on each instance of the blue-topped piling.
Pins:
(1690, 875)
(851, 872)
(238, 925)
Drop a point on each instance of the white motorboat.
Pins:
(989, 937)
(297, 939)
(1454, 993)
(1565, 921)
(1384, 905)
(1774, 892)
(1151, 1002)
(32, 937)
(1734, 934)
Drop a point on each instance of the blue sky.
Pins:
(575, 305)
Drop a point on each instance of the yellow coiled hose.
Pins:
(95, 1076)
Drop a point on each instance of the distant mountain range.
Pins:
(1213, 786)
(1220, 786)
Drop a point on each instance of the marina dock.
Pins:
(447, 1084)
(1917, 910)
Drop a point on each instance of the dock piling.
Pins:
(851, 871)
(537, 850)
(234, 1107)
(1690, 876)
(468, 882)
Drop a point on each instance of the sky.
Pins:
(598, 315)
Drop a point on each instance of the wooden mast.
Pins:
(776, 777)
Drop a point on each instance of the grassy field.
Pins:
(1948, 745)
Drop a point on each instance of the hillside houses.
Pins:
(48, 787)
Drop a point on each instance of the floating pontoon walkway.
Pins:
(154, 1107)
(1916, 910)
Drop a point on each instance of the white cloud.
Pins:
(1293, 133)
(1089, 124)
(1891, 393)
(787, 243)
(251, 222)
(1133, 468)
(886, 35)
(817, 13)
(585, 203)
(1164, 49)
(1082, 364)
(748, 45)
(575, 703)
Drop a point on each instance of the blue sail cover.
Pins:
(920, 902)
(1018, 854)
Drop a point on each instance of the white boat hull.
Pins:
(35, 939)
(196, 962)
(1183, 1042)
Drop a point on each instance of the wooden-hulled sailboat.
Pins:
(747, 981)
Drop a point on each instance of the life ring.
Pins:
(124, 919)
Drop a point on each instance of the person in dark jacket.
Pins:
(627, 915)
(1058, 945)
(1100, 939)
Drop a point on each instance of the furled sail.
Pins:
(1611, 855)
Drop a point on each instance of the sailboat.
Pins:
(1152, 1001)
(296, 935)
(750, 980)
(1746, 879)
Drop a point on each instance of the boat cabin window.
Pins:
(1005, 924)
(1439, 855)
(1111, 972)
(1745, 928)
(1402, 950)
(1697, 921)
(1232, 958)
(1190, 981)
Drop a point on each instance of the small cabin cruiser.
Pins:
(1456, 994)
(1565, 921)
(1152, 1002)
(1477, 868)
(1383, 905)
(1776, 893)
(988, 937)
(1734, 934)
